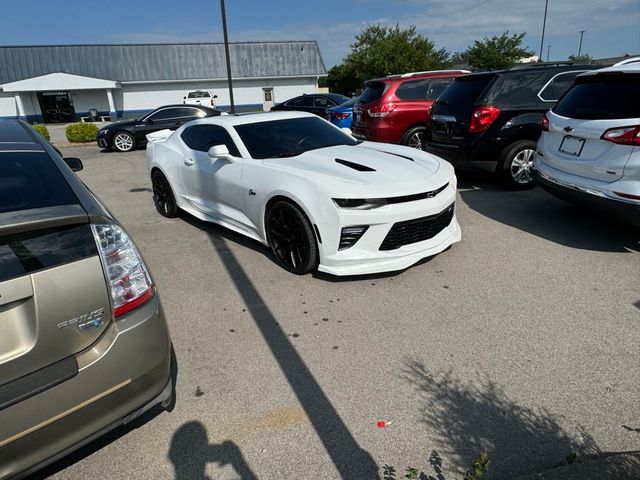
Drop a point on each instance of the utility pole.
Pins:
(544, 25)
(548, 51)
(580, 47)
(226, 52)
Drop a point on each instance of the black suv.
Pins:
(491, 120)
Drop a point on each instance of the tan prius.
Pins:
(84, 345)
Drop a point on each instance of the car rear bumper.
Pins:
(126, 372)
(578, 191)
(377, 131)
(465, 157)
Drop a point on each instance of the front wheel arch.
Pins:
(298, 220)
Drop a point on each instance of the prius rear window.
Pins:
(31, 180)
(29, 252)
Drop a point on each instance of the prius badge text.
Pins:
(85, 322)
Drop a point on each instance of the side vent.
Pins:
(355, 166)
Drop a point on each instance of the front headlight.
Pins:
(103, 131)
(360, 203)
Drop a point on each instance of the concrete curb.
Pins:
(614, 466)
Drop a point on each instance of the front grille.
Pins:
(417, 230)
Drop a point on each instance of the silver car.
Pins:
(589, 151)
(84, 346)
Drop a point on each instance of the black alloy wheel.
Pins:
(163, 197)
(291, 238)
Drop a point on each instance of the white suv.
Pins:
(200, 97)
(589, 151)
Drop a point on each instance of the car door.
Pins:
(213, 186)
(321, 106)
(301, 104)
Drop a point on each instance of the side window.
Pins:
(304, 101)
(322, 102)
(203, 137)
(556, 87)
(413, 90)
(180, 112)
(437, 86)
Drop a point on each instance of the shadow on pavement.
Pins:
(190, 453)
(470, 418)
(351, 461)
(539, 213)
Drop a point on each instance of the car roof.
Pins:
(15, 136)
(525, 68)
(630, 65)
(418, 75)
(233, 120)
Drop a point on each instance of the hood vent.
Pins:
(355, 166)
(397, 155)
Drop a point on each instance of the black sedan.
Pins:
(317, 103)
(126, 135)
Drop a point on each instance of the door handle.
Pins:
(188, 162)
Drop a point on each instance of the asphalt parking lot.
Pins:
(522, 340)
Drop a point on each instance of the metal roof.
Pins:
(162, 62)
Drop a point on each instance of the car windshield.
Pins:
(602, 97)
(290, 137)
(373, 92)
(463, 91)
(336, 97)
(349, 103)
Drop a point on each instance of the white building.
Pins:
(61, 83)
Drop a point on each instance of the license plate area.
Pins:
(571, 145)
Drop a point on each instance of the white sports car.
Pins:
(315, 195)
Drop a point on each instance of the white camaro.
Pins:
(315, 195)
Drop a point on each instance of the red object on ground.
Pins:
(381, 424)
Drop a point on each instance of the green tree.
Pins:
(379, 51)
(583, 58)
(497, 52)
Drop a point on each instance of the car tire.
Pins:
(163, 198)
(123, 141)
(291, 238)
(414, 137)
(516, 164)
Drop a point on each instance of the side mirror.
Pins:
(215, 96)
(149, 120)
(75, 164)
(184, 98)
(219, 151)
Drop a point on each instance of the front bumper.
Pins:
(126, 372)
(593, 194)
(103, 139)
(366, 257)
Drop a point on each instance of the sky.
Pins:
(612, 27)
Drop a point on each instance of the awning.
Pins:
(59, 81)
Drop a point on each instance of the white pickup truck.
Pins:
(200, 97)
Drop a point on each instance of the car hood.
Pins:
(353, 170)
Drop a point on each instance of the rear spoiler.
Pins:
(41, 218)
(159, 136)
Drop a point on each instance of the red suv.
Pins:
(396, 109)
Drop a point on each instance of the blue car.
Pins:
(341, 115)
